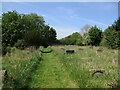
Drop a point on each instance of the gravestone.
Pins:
(70, 51)
(99, 50)
(62, 49)
(91, 47)
(81, 49)
(98, 72)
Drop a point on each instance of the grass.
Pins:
(81, 62)
(20, 66)
(60, 70)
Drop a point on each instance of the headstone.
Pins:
(81, 49)
(97, 72)
(62, 49)
(91, 47)
(70, 51)
(99, 50)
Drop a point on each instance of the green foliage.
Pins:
(31, 22)
(95, 36)
(15, 25)
(21, 44)
(48, 36)
(44, 37)
(10, 28)
(74, 39)
(20, 69)
(103, 42)
(33, 37)
(86, 39)
(112, 35)
(5, 49)
(28, 27)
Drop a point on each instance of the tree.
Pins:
(44, 37)
(74, 39)
(15, 25)
(32, 22)
(33, 38)
(112, 35)
(10, 28)
(48, 36)
(86, 39)
(95, 36)
(85, 29)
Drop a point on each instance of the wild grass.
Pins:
(20, 66)
(79, 65)
(60, 70)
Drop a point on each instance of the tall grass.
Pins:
(79, 65)
(60, 70)
(20, 66)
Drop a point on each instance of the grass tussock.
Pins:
(20, 66)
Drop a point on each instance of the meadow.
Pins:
(60, 70)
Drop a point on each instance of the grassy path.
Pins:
(51, 74)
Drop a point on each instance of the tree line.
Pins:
(23, 30)
(92, 35)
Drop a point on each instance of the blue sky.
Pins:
(68, 17)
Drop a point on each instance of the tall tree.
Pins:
(48, 36)
(10, 28)
(112, 35)
(95, 35)
(15, 25)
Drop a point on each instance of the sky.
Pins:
(68, 17)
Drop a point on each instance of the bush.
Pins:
(5, 50)
(20, 44)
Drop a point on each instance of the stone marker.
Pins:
(70, 51)
(62, 49)
(99, 50)
(3, 75)
(81, 49)
(97, 72)
(91, 47)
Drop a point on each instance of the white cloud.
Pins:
(66, 10)
(94, 21)
(73, 16)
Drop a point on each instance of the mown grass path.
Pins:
(51, 74)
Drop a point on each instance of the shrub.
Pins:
(5, 50)
(20, 44)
